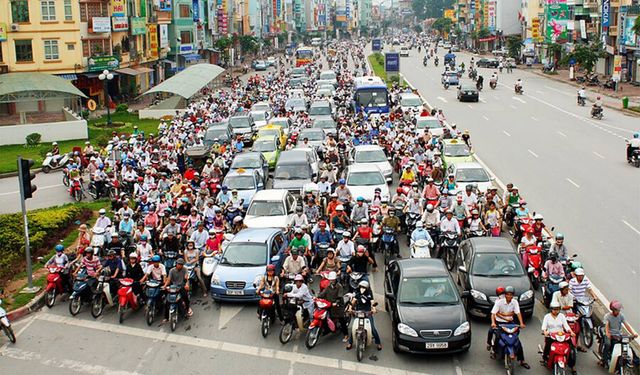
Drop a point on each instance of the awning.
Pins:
(191, 57)
(16, 87)
(134, 71)
(188, 82)
(95, 74)
(144, 69)
(68, 77)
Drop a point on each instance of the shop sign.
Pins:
(100, 63)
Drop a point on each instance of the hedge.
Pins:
(45, 228)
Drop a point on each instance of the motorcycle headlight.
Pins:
(256, 280)
(215, 280)
(462, 329)
(406, 330)
(526, 295)
(478, 295)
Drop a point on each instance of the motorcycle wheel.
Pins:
(586, 336)
(46, 169)
(173, 319)
(77, 195)
(264, 324)
(121, 311)
(360, 348)
(557, 370)
(312, 338)
(113, 194)
(50, 298)
(451, 258)
(535, 282)
(93, 193)
(97, 306)
(285, 333)
(9, 332)
(509, 365)
(74, 306)
(149, 314)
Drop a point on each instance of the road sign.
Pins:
(376, 45)
(392, 62)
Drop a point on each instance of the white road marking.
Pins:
(216, 345)
(485, 117)
(534, 119)
(560, 91)
(532, 153)
(227, 312)
(518, 99)
(562, 134)
(631, 226)
(513, 106)
(470, 106)
(539, 92)
(18, 332)
(572, 182)
(443, 99)
(507, 134)
(482, 100)
(39, 188)
(598, 155)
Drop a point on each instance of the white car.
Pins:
(260, 118)
(372, 155)
(271, 208)
(424, 123)
(404, 51)
(470, 173)
(410, 102)
(362, 180)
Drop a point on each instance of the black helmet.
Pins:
(553, 256)
(288, 288)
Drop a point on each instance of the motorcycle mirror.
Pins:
(553, 229)
(574, 256)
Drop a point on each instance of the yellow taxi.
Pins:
(273, 130)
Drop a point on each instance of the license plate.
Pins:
(235, 292)
(437, 345)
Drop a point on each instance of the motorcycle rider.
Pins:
(191, 257)
(360, 211)
(493, 81)
(392, 221)
(156, 271)
(301, 291)
(499, 295)
(295, 264)
(580, 287)
(613, 323)
(421, 234)
(553, 267)
(582, 95)
(180, 277)
(449, 223)
(340, 220)
(134, 271)
(345, 248)
(116, 268)
(597, 106)
(633, 145)
(503, 311)
(334, 293)
(563, 297)
(554, 322)
(360, 262)
(299, 219)
(474, 223)
(518, 86)
(363, 301)
(270, 281)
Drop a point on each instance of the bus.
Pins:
(304, 56)
(370, 93)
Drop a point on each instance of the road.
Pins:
(227, 338)
(570, 168)
(51, 192)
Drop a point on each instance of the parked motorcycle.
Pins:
(6, 325)
(49, 164)
(126, 298)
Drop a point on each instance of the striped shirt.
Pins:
(579, 290)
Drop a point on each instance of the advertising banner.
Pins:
(195, 10)
(101, 24)
(164, 5)
(3, 31)
(138, 25)
(376, 45)
(617, 68)
(100, 63)
(629, 38)
(535, 28)
(153, 40)
(120, 23)
(392, 62)
(557, 17)
(606, 13)
(118, 8)
(492, 16)
(164, 36)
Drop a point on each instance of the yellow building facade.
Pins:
(40, 36)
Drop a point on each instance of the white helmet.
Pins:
(332, 276)
(363, 284)
(555, 305)
(419, 224)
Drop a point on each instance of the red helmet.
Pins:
(399, 190)
(271, 267)
(140, 179)
(322, 224)
(499, 290)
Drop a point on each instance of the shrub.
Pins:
(33, 139)
(85, 114)
(121, 108)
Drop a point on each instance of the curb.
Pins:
(35, 304)
(14, 174)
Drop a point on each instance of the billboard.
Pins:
(376, 45)
(392, 62)
(3, 31)
(118, 8)
(153, 40)
(606, 13)
(164, 5)
(557, 18)
(138, 25)
(629, 37)
(101, 24)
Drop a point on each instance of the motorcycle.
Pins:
(449, 248)
(551, 286)
(493, 84)
(411, 220)
(585, 310)
(535, 265)
(505, 346)
(208, 265)
(49, 164)
(518, 90)
(436, 62)
(446, 85)
(361, 332)
(267, 311)
(175, 302)
(420, 249)
(354, 280)
(424, 62)
(635, 159)
(102, 293)
(596, 112)
(559, 353)
(389, 243)
(293, 314)
(170, 258)
(126, 298)
(54, 285)
(152, 292)
(6, 325)
(81, 292)
(75, 189)
(582, 101)
(99, 239)
(622, 358)
(321, 322)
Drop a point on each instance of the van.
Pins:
(293, 171)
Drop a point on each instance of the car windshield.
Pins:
(456, 150)
(472, 175)
(292, 172)
(298, 71)
(249, 163)
(428, 124)
(284, 123)
(323, 92)
(410, 102)
(320, 110)
(260, 107)
(370, 156)
(427, 291)
(264, 145)
(212, 134)
(245, 255)
(240, 182)
(266, 208)
(258, 116)
(324, 123)
(295, 103)
(365, 179)
(312, 136)
(268, 132)
(467, 88)
(327, 75)
(496, 265)
(239, 122)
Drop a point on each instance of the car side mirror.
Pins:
(462, 269)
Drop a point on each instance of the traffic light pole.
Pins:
(30, 288)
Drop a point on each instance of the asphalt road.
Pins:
(51, 192)
(227, 338)
(569, 167)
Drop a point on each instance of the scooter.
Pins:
(208, 265)
(585, 310)
(596, 112)
(535, 265)
(493, 84)
(551, 286)
(420, 249)
(449, 248)
(54, 285)
(389, 243)
(518, 90)
(321, 322)
(99, 238)
(170, 258)
(559, 353)
(635, 159)
(152, 293)
(354, 280)
(75, 189)
(411, 220)
(581, 101)
(267, 311)
(361, 332)
(294, 318)
(49, 164)
(622, 356)
(6, 325)
(81, 292)
(175, 305)
(126, 298)
(506, 344)
(102, 294)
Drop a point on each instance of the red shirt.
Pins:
(365, 232)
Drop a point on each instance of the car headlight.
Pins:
(215, 280)
(478, 295)
(256, 280)
(406, 330)
(526, 295)
(462, 329)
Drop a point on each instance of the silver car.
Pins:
(372, 155)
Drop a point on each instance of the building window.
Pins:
(185, 37)
(68, 10)
(51, 50)
(71, 47)
(184, 11)
(48, 10)
(19, 11)
(23, 50)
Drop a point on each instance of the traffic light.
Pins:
(24, 166)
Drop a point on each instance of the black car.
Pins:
(487, 63)
(427, 313)
(484, 263)
(468, 92)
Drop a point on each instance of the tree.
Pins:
(417, 28)
(423, 9)
(442, 25)
(636, 26)
(514, 45)
(586, 55)
(248, 43)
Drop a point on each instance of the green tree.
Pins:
(514, 45)
(248, 43)
(586, 55)
(430, 8)
(636, 26)
(417, 28)
(442, 24)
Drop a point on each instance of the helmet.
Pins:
(429, 207)
(363, 284)
(298, 209)
(538, 217)
(579, 271)
(553, 256)
(469, 188)
(346, 234)
(298, 278)
(180, 261)
(298, 231)
(339, 207)
(288, 288)
(399, 190)
(360, 199)
(59, 248)
(111, 252)
(155, 258)
(499, 290)
(361, 249)
(364, 221)
(509, 289)
(322, 224)
(102, 211)
(237, 219)
(332, 276)
(559, 236)
(555, 305)
(294, 251)
(615, 305)
(563, 284)
(378, 190)
(475, 212)
(143, 237)
(636, 135)
(342, 181)
(271, 267)
(419, 224)
(133, 255)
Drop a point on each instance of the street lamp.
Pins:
(105, 77)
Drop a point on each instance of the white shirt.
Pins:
(345, 249)
(555, 324)
(450, 225)
(503, 307)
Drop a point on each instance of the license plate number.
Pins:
(437, 345)
(235, 292)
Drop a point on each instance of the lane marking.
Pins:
(443, 99)
(557, 90)
(513, 106)
(470, 106)
(631, 226)
(534, 119)
(561, 133)
(598, 155)
(249, 350)
(482, 100)
(507, 134)
(485, 117)
(572, 182)
(532, 153)
(518, 99)
(39, 188)
(227, 312)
